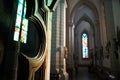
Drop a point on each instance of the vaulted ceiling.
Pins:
(73, 5)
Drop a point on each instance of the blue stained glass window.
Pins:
(21, 19)
(85, 46)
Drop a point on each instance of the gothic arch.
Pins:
(94, 23)
(87, 3)
(87, 19)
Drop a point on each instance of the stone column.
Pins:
(58, 40)
(69, 60)
(97, 41)
(97, 33)
(70, 47)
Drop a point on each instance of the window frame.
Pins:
(22, 31)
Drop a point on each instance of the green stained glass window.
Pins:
(20, 19)
(85, 45)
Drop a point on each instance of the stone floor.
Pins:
(83, 74)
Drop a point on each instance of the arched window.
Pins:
(85, 46)
(21, 26)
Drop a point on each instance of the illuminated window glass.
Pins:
(21, 19)
(84, 45)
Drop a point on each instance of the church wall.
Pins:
(113, 55)
(116, 14)
(103, 25)
(103, 29)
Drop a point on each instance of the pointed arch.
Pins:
(94, 23)
(85, 18)
(87, 3)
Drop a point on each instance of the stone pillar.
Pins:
(97, 42)
(71, 47)
(55, 41)
(69, 60)
(58, 40)
(97, 33)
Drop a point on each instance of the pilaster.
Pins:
(58, 41)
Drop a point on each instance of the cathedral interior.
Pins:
(59, 39)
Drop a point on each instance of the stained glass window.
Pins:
(21, 22)
(85, 45)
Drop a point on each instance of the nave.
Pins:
(49, 39)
